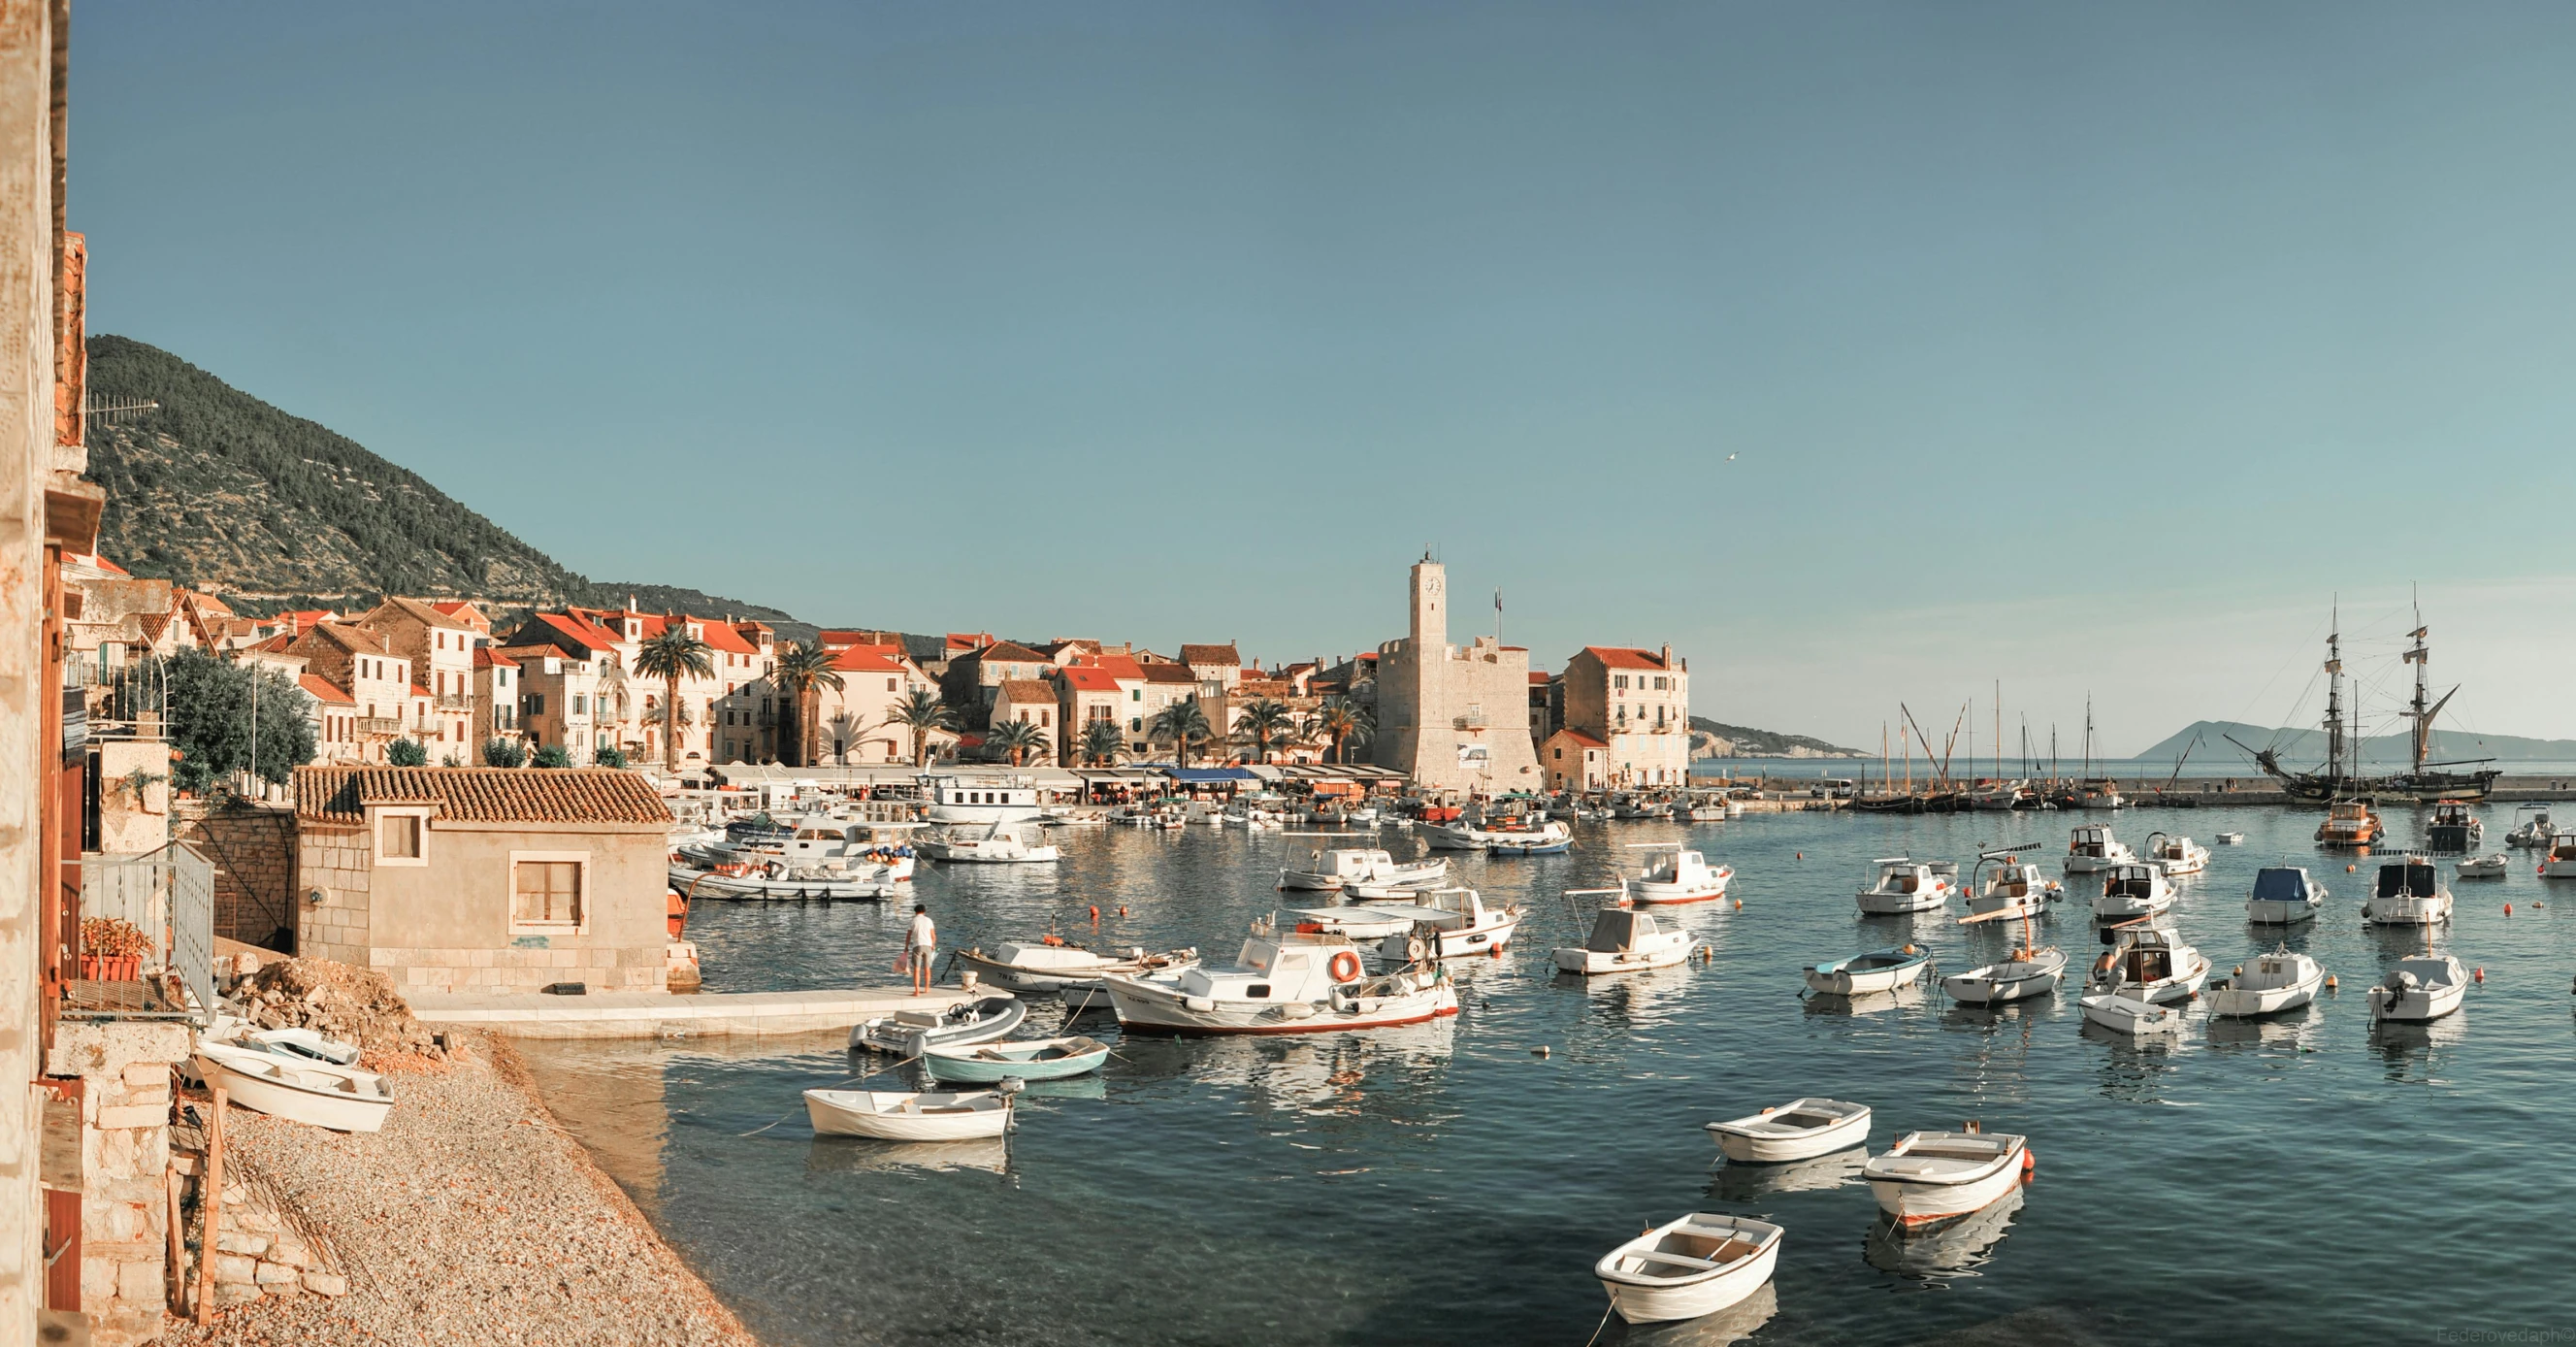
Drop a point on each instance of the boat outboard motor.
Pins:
(2401, 982)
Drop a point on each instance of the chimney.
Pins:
(1668, 654)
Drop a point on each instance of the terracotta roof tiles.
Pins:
(1625, 657)
(483, 794)
(1211, 654)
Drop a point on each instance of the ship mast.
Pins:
(2334, 708)
(2420, 713)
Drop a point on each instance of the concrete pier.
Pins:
(663, 1015)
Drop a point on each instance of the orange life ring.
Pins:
(1345, 966)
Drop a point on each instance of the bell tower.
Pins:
(1430, 616)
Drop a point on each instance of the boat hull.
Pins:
(891, 1034)
(1999, 983)
(2236, 1002)
(1878, 904)
(1593, 963)
(1153, 1010)
(1642, 1303)
(1755, 1149)
(277, 1096)
(2272, 912)
(2416, 1007)
(1916, 1203)
(1837, 980)
(986, 1071)
(2407, 910)
(831, 1116)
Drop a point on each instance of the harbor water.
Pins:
(2299, 1179)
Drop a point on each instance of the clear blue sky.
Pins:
(2081, 346)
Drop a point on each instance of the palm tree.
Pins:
(1344, 720)
(1100, 741)
(1016, 737)
(1265, 725)
(804, 670)
(844, 729)
(674, 654)
(921, 712)
(1182, 725)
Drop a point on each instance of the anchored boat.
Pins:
(2133, 891)
(911, 1032)
(1880, 971)
(1624, 940)
(2281, 980)
(909, 1115)
(2092, 847)
(1331, 871)
(2013, 888)
(2410, 892)
(2149, 964)
(1051, 964)
(2128, 1014)
(1676, 874)
(998, 844)
(2419, 990)
(2350, 824)
(1937, 1176)
(2283, 895)
(1036, 1059)
(2177, 855)
(1801, 1129)
(1908, 885)
(1283, 982)
(1686, 1268)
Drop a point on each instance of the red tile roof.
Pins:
(1010, 652)
(868, 659)
(319, 689)
(1116, 666)
(723, 637)
(100, 562)
(1540, 680)
(960, 642)
(485, 657)
(1580, 737)
(1211, 654)
(1027, 691)
(357, 640)
(1089, 678)
(1168, 673)
(484, 794)
(1624, 657)
(583, 633)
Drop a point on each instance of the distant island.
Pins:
(2306, 747)
(1713, 739)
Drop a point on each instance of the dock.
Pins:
(669, 1015)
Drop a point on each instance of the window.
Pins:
(1136, 725)
(890, 685)
(400, 839)
(1135, 694)
(1620, 681)
(546, 889)
(536, 703)
(580, 702)
(1559, 755)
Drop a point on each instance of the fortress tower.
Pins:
(1453, 718)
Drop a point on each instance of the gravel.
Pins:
(471, 1218)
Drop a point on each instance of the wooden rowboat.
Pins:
(1685, 1268)
(1038, 1059)
(1801, 1129)
(905, 1116)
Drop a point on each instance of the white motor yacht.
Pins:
(1332, 870)
(2177, 854)
(1284, 982)
(2132, 891)
(2092, 847)
(2531, 831)
(998, 844)
(2410, 892)
(2281, 980)
(1676, 874)
(1448, 924)
(954, 799)
(1624, 940)
(2149, 964)
(1908, 885)
(2012, 888)
(2419, 990)
(2283, 895)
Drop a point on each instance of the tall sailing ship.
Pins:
(2340, 776)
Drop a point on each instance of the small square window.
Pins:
(400, 837)
(546, 892)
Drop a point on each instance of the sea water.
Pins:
(2306, 1178)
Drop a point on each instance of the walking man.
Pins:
(921, 948)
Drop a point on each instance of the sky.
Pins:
(1866, 353)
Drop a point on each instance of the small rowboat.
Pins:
(1037, 1059)
(903, 1116)
(1882, 971)
(2023, 975)
(1935, 1176)
(2125, 1014)
(321, 1094)
(1801, 1129)
(2485, 867)
(306, 1043)
(913, 1032)
(1682, 1269)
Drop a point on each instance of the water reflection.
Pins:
(1867, 1003)
(2289, 1029)
(859, 1155)
(1743, 1183)
(1944, 1253)
(1326, 1073)
(1624, 1002)
(2137, 1065)
(1730, 1325)
(2412, 1053)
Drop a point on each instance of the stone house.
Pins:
(1093, 690)
(1219, 664)
(334, 714)
(441, 650)
(557, 692)
(378, 682)
(974, 680)
(1637, 702)
(1162, 683)
(854, 722)
(1453, 718)
(484, 878)
(1030, 701)
(1575, 761)
(496, 695)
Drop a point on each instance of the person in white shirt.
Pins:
(921, 948)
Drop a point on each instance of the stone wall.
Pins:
(253, 848)
(337, 863)
(264, 1248)
(125, 1071)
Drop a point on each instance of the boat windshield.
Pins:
(2406, 881)
(2281, 886)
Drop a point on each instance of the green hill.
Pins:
(2306, 748)
(1753, 743)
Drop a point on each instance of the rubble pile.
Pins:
(353, 1005)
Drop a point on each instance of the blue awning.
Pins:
(1196, 776)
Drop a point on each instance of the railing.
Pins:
(169, 895)
(453, 701)
(380, 725)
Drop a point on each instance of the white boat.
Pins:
(1687, 1268)
(290, 1040)
(2129, 1014)
(1908, 885)
(1283, 982)
(2150, 964)
(777, 882)
(1676, 874)
(1936, 1176)
(2177, 855)
(2022, 975)
(2534, 831)
(2132, 891)
(1051, 964)
(2560, 863)
(1331, 870)
(1457, 835)
(2419, 990)
(317, 1093)
(853, 848)
(2013, 888)
(2271, 983)
(2410, 892)
(1448, 924)
(2283, 895)
(1012, 799)
(1879, 971)
(1035, 1059)
(908, 1032)
(997, 844)
(1801, 1129)
(1549, 838)
(2493, 866)
(2092, 847)
(2231, 839)
(889, 1115)
(1624, 940)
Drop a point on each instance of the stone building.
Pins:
(557, 693)
(1453, 718)
(440, 648)
(974, 680)
(1637, 704)
(378, 681)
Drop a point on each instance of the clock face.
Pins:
(1431, 586)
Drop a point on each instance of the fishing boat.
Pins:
(2026, 973)
(982, 800)
(1908, 885)
(1878, 971)
(2092, 847)
(2350, 824)
(909, 1032)
(1937, 1176)
(777, 882)
(1283, 982)
(2150, 964)
(2410, 892)
(2124, 1014)
(2534, 831)
(1448, 924)
(2560, 863)
(2281, 980)
(1801, 1129)
(1676, 874)
(282, 1085)
(1035, 1059)
(997, 844)
(1329, 871)
(2452, 827)
(2492, 866)
(2340, 776)
(2231, 839)
(2177, 855)
(1624, 940)
(1690, 1267)
(1550, 838)
(2419, 990)
(1051, 963)
(2132, 891)
(889, 1115)
(2013, 888)
(2283, 895)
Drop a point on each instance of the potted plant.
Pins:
(112, 950)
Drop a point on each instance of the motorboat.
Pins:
(2132, 891)
(2177, 855)
(2150, 964)
(998, 844)
(1035, 1059)
(2350, 824)
(2452, 827)
(1908, 885)
(1936, 1176)
(1448, 924)
(2281, 980)
(1329, 871)
(777, 882)
(954, 799)
(2013, 888)
(2000, 796)
(827, 842)
(2410, 892)
(1083, 998)
(2419, 990)
(1879, 971)
(911, 1032)
(2495, 865)
(1549, 838)
(1801, 1129)
(889, 1115)
(2532, 831)
(2230, 839)
(2092, 847)
(1676, 874)
(1052, 963)
(1455, 835)
(2122, 1014)
(298, 1089)
(2560, 862)
(2283, 895)
(1283, 982)
(1690, 1267)
(1624, 940)
(2021, 975)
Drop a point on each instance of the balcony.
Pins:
(452, 701)
(168, 896)
(380, 725)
